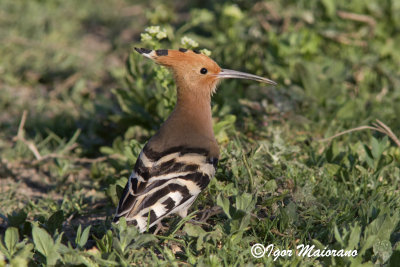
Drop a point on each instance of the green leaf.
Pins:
(43, 241)
(378, 147)
(11, 239)
(369, 158)
(84, 237)
(224, 204)
(318, 244)
(383, 226)
(330, 7)
(307, 77)
(337, 236)
(236, 238)
(55, 221)
(193, 230)
(244, 202)
(291, 211)
(107, 150)
(141, 239)
(271, 186)
(383, 249)
(18, 262)
(368, 243)
(395, 258)
(78, 234)
(16, 219)
(45, 245)
(331, 169)
(105, 243)
(354, 237)
(348, 110)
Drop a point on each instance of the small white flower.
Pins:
(145, 37)
(153, 30)
(161, 35)
(188, 42)
(205, 52)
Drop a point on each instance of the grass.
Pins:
(77, 105)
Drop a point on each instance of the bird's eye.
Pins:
(203, 71)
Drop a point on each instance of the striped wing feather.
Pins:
(164, 183)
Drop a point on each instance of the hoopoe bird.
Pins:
(177, 163)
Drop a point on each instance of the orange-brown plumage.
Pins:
(186, 67)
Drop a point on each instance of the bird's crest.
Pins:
(182, 58)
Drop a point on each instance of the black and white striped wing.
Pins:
(164, 183)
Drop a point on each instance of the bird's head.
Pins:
(194, 71)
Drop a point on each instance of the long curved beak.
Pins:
(226, 74)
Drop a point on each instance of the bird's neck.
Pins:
(195, 112)
(190, 124)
